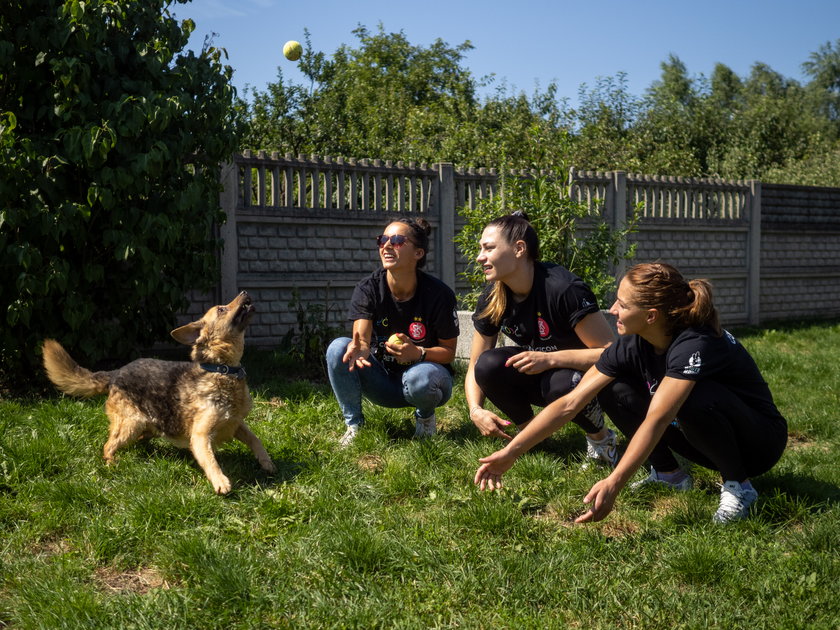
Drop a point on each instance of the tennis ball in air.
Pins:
(292, 50)
(395, 340)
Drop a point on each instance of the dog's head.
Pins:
(219, 336)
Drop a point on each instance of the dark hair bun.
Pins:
(424, 225)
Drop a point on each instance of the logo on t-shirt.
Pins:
(417, 331)
(694, 364)
(542, 326)
(584, 303)
(730, 337)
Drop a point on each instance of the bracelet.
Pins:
(422, 355)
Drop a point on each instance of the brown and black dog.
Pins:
(195, 405)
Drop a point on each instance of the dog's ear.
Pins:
(187, 334)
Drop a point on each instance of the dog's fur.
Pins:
(188, 405)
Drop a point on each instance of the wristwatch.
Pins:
(422, 354)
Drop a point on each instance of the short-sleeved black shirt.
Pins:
(694, 354)
(546, 319)
(426, 318)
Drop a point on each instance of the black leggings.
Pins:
(514, 392)
(714, 428)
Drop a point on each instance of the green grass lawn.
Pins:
(391, 533)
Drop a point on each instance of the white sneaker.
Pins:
(603, 451)
(349, 435)
(735, 502)
(425, 427)
(682, 485)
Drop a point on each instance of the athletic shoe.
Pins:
(735, 502)
(682, 485)
(425, 427)
(603, 451)
(349, 435)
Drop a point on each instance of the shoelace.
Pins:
(730, 501)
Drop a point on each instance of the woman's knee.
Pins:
(427, 383)
(336, 350)
(491, 364)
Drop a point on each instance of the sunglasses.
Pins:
(397, 240)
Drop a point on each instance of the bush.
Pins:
(571, 234)
(111, 139)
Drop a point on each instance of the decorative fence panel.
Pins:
(305, 227)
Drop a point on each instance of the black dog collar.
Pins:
(238, 372)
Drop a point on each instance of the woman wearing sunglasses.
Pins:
(405, 330)
(554, 321)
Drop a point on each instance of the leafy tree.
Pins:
(110, 143)
(823, 66)
(604, 123)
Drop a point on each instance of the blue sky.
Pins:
(530, 43)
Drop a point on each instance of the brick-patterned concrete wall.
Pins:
(800, 253)
(321, 258)
(286, 233)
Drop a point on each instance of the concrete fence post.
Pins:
(228, 232)
(619, 214)
(754, 255)
(446, 232)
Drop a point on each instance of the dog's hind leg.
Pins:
(127, 425)
(245, 435)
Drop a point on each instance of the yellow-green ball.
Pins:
(394, 340)
(292, 50)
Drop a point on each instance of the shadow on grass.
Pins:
(813, 491)
(241, 468)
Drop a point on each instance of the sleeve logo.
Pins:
(694, 364)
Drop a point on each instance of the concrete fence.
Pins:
(306, 225)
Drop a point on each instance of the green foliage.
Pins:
(110, 144)
(570, 233)
(306, 344)
(388, 98)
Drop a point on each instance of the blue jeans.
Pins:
(423, 386)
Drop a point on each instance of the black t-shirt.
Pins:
(694, 354)
(426, 318)
(546, 319)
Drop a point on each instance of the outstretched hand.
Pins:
(357, 353)
(602, 497)
(489, 474)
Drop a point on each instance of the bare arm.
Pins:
(664, 406)
(593, 330)
(488, 423)
(549, 420)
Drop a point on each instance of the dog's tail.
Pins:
(69, 376)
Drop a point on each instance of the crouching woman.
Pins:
(674, 382)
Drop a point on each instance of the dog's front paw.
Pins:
(268, 466)
(222, 485)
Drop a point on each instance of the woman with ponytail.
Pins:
(674, 382)
(554, 320)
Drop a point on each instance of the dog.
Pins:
(197, 405)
